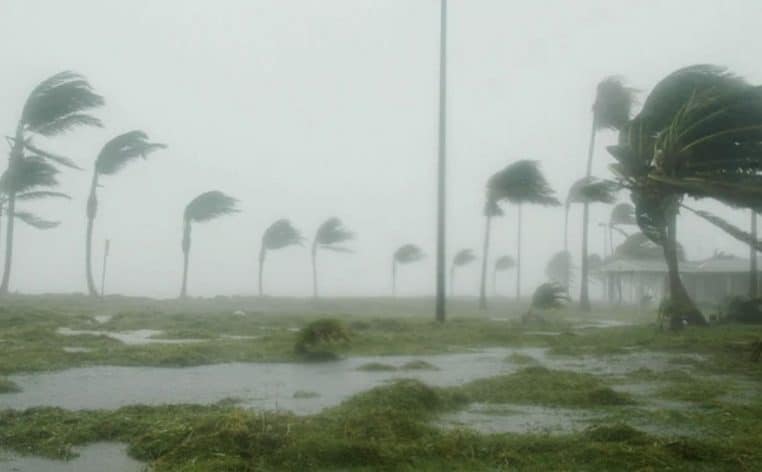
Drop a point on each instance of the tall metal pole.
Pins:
(103, 274)
(441, 222)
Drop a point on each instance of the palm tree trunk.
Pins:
(186, 255)
(485, 258)
(103, 269)
(753, 276)
(441, 194)
(17, 153)
(262, 254)
(394, 277)
(314, 270)
(92, 208)
(584, 297)
(518, 255)
(682, 307)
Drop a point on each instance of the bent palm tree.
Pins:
(589, 190)
(462, 258)
(406, 254)
(279, 235)
(548, 296)
(205, 207)
(57, 105)
(491, 209)
(519, 183)
(114, 155)
(502, 264)
(329, 234)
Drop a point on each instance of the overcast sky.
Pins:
(311, 109)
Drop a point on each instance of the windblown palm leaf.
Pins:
(505, 263)
(281, 234)
(731, 229)
(59, 104)
(613, 103)
(122, 149)
(36, 195)
(35, 221)
(622, 214)
(549, 296)
(463, 257)
(333, 232)
(33, 150)
(560, 269)
(210, 205)
(491, 209)
(592, 190)
(521, 182)
(408, 254)
(27, 174)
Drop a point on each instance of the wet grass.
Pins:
(6, 386)
(387, 428)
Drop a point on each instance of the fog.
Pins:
(311, 109)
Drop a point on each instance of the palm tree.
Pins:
(519, 183)
(462, 258)
(279, 235)
(405, 254)
(328, 235)
(548, 296)
(55, 106)
(114, 156)
(491, 209)
(503, 263)
(559, 269)
(588, 190)
(205, 207)
(698, 134)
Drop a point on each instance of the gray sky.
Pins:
(310, 109)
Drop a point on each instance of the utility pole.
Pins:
(441, 269)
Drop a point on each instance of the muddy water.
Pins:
(273, 385)
(98, 457)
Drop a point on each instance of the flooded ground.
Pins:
(98, 457)
(133, 338)
(510, 418)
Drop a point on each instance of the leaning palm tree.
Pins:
(328, 236)
(405, 254)
(698, 134)
(205, 207)
(462, 258)
(57, 105)
(502, 264)
(279, 235)
(113, 157)
(548, 296)
(520, 183)
(491, 209)
(588, 190)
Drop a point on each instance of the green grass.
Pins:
(6, 386)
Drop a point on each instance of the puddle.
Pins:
(132, 338)
(96, 457)
(272, 385)
(76, 349)
(508, 418)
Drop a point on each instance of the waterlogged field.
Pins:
(217, 385)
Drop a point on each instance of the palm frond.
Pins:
(408, 254)
(613, 103)
(505, 263)
(58, 159)
(210, 205)
(36, 195)
(27, 174)
(549, 296)
(281, 234)
(592, 190)
(521, 182)
(35, 221)
(463, 257)
(122, 149)
(734, 231)
(58, 104)
(622, 214)
(560, 268)
(491, 208)
(331, 232)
